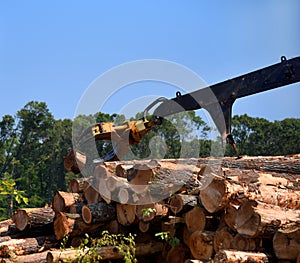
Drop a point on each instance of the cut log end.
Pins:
(86, 214)
(21, 219)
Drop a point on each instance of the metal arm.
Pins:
(219, 98)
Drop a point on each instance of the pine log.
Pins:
(279, 195)
(5, 225)
(280, 164)
(230, 215)
(23, 246)
(121, 170)
(197, 261)
(268, 188)
(114, 227)
(201, 244)
(223, 239)
(101, 172)
(233, 256)
(72, 225)
(255, 219)
(195, 219)
(217, 195)
(125, 214)
(98, 213)
(76, 208)
(33, 217)
(286, 244)
(106, 253)
(120, 189)
(39, 257)
(145, 213)
(78, 185)
(144, 226)
(242, 243)
(140, 174)
(103, 191)
(91, 195)
(63, 200)
(181, 202)
(176, 254)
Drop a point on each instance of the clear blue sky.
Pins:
(52, 50)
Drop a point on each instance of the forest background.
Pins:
(33, 145)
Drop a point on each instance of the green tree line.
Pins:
(33, 145)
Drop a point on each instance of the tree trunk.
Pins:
(63, 200)
(232, 256)
(33, 217)
(98, 213)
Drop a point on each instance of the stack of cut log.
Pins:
(225, 210)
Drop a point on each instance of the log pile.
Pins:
(211, 210)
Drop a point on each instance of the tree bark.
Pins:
(181, 202)
(98, 213)
(33, 217)
(23, 246)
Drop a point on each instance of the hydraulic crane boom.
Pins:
(216, 99)
(219, 98)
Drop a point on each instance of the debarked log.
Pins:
(104, 253)
(233, 256)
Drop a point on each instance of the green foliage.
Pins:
(9, 194)
(147, 211)
(87, 250)
(165, 236)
